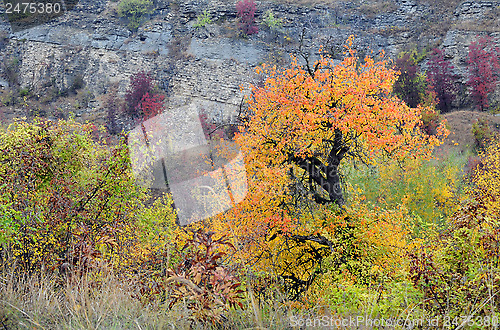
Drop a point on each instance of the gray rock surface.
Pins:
(207, 65)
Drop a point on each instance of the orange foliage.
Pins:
(324, 114)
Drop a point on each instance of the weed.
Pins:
(203, 19)
(134, 11)
(270, 21)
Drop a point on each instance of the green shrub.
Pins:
(24, 92)
(134, 11)
(203, 19)
(270, 21)
(482, 133)
(431, 121)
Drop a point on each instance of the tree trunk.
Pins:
(326, 175)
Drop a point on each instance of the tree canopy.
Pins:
(313, 117)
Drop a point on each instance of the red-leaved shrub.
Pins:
(442, 79)
(246, 12)
(483, 67)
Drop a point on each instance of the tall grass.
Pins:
(431, 190)
(43, 302)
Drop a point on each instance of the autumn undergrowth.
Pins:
(41, 301)
(430, 189)
(408, 232)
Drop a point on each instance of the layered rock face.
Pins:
(207, 65)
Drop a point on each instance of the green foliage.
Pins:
(411, 85)
(9, 218)
(24, 92)
(482, 132)
(69, 200)
(135, 11)
(430, 121)
(270, 21)
(399, 299)
(429, 189)
(203, 19)
(458, 270)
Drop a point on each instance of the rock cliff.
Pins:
(207, 65)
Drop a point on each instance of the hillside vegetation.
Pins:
(367, 196)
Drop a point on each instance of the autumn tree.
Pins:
(302, 125)
(442, 79)
(483, 68)
(315, 117)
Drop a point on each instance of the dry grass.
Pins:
(38, 301)
(375, 8)
(485, 25)
(42, 302)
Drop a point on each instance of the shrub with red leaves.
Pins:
(442, 79)
(201, 281)
(151, 105)
(484, 68)
(246, 12)
(141, 99)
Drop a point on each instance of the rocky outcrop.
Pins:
(208, 65)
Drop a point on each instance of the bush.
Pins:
(151, 105)
(270, 21)
(458, 270)
(246, 12)
(203, 19)
(24, 92)
(143, 99)
(70, 204)
(442, 80)
(140, 84)
(410, 86)
(134, 11)
(482, 133)
(57, 185)
(483, 68)
(430, 122)
(202, 281)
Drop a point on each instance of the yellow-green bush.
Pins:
(70, 201)
(430, 189)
